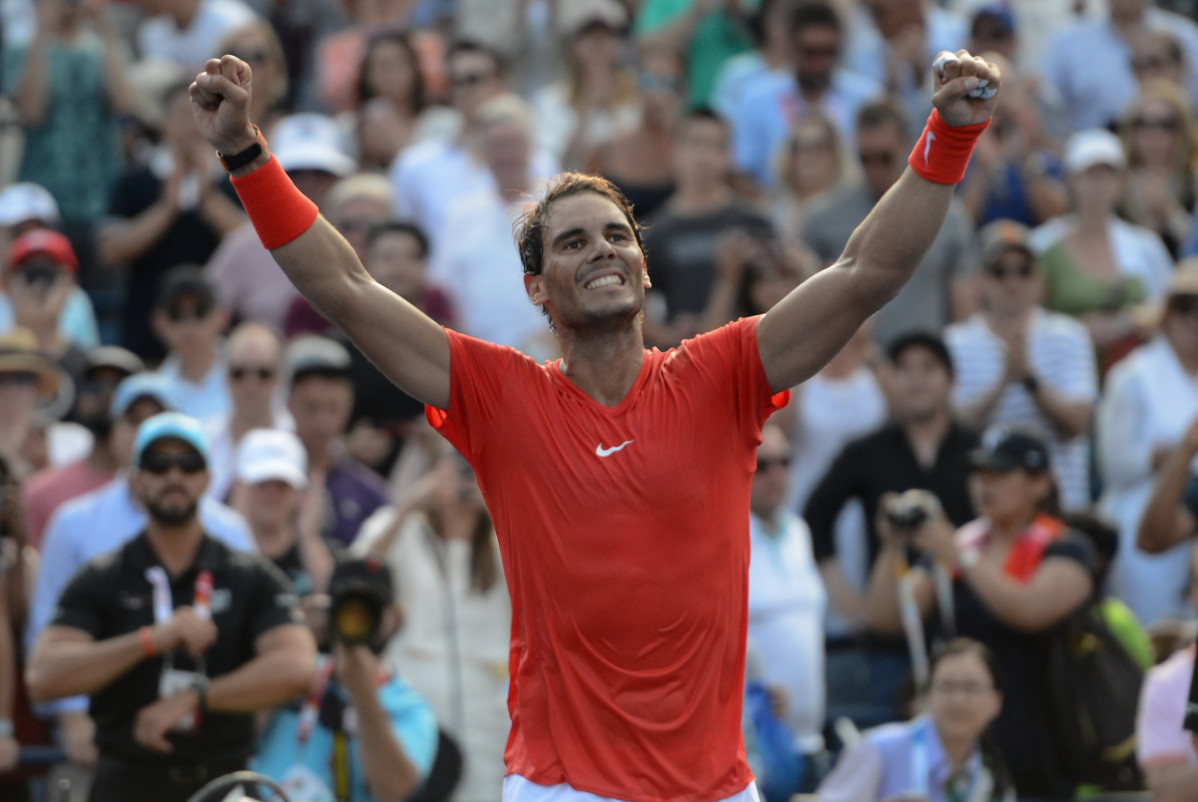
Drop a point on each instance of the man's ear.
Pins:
(534, 285)
(645, 272)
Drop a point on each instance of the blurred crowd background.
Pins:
(1060, 301)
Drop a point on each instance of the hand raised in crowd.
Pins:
(960, 77)
(78, 733)
(220, 101)
(185, 629)
(156, 720)
(356, 667)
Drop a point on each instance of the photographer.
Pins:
(361, 733)
(1013, 580)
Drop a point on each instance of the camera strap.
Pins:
(912, 621)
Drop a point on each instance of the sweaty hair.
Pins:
(530, 228)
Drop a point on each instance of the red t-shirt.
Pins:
(624, 533)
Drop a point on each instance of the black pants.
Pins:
(131, 781)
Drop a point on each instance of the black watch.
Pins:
(1031, 383)
(246, 156)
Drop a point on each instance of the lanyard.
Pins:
(921, 731)
(310, 712)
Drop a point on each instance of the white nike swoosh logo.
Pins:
(600, 451)
(927, 146)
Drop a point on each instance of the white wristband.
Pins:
(968, 558)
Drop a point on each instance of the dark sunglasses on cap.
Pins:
(240, 372)
(158, 463)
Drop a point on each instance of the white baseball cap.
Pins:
(26, 201)
(1093, 147)
(272, 454)
(311, 141)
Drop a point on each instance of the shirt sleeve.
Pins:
(415, 726)
(82, 602)
(272, 600)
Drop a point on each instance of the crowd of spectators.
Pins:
(1036, 381)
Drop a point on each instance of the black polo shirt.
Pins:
(884, 462)
(111, 596)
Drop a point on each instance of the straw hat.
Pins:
(19, 354)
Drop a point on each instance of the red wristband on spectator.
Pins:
(942, 153)
(145, 638)
(278, 210)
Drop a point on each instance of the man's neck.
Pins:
(604, 366)
(813, 87)
(101, 459)
(323, 456)
(243, 420)
(176, 546)
(195, 365)
(771, 521)
(926, 435)
(275, 541)
(184, 12)
(694, 197)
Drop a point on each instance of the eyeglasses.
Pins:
(1025, 270)
(970, 689)
(657, 80)
(239, 372)
(765, 463)
(470, 79)
(1159, 123)
(1150, 63)
(181, 314)
(18, 379)
(1186, 305)
(882, 158)
(160, 464)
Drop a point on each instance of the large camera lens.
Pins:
(355, 618)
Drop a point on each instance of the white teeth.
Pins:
(606, 281)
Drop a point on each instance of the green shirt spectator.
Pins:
(708, 32)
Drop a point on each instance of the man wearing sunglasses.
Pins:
(1018, 363)
(176, 638)
(189, 322)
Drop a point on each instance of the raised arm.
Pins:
(405, 344)
(817, 318)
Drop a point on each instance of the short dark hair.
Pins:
(958, 647)
(814, 14)
(404, 40)
(881, 112)
(530, 228)
(702, 114)
(408, 227)
(922, 339)
(460, 46)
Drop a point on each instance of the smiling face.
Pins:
(592, 268)
(962, 698)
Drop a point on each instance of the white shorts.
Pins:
(518, 789)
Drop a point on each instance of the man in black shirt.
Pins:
(177, 639)
(923, 447)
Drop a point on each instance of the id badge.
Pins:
(174, 681)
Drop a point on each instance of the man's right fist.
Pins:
(185, 630)
(220, 102)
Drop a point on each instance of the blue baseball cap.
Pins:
(172, 426)
(141, 385)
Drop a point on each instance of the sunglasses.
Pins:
(656, 80)
(18, 379)
(160, 464)
(767, 463)
(818, 52)
(1025, 270)
(881, 158)
(1185, 305)
(1159, 123)
(239, 372)
(181, 314)
(470, 79)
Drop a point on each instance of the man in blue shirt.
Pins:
(389, 732)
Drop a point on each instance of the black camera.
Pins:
(359, 592)
(907, 512)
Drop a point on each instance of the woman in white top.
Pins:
(453, 650)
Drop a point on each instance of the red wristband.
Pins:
(278, 210)
(145, 638)
(942, 153)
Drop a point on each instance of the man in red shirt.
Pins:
(618, 478)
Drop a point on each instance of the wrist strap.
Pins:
(236, 160)
(145, 638)
(942, 152)
(278, 210)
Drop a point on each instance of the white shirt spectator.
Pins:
(557, 120)
(1148, 402)
(431, 176)
(222, 451)
(190, 47)
(206, 400)
(481, 266)
(1094, 92)
(786, 613)
(99, 522)
(1061, 355)
(1160, 736)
